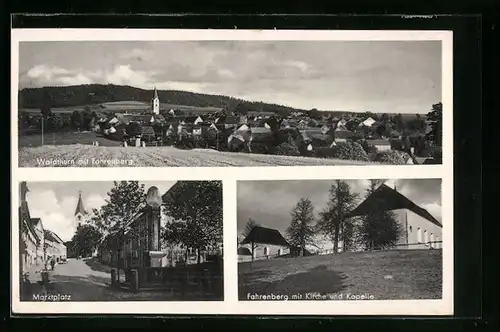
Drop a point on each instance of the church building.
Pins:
(80, 216)
(420, 229)
(155, 102)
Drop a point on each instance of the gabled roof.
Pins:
(79, 206)
(385, 198)
(264, 235)
(147, 130)
(51, 236)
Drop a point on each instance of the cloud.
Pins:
(40, 75)
(435, 210)
(137, 54)
(53, 213)
(125, 75)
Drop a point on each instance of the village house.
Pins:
(30, 242)
(55, 247)
(39, 230)
(263, 243)
(420, 230)
(380, 144)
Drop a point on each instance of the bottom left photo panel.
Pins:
(121, 241)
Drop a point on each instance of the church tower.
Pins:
(80, 213)
(156, 102)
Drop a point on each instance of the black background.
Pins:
(469, 83)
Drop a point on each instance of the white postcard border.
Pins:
(230, 175)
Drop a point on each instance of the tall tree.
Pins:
(435, 116)
(379, 229)
(121, 205)
(334, 217)
(86, 239)
(196, 207)
(301, 231)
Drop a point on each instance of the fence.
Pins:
(206, 277)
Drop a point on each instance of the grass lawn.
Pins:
(65, 138)
(398, 274)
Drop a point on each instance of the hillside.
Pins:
(386, 275)
(92, 94)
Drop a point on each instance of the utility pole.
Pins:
(42, 128)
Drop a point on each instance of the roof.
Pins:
(385, 198)
(51, 236)
(264, 235)
(147, 130)
(244, 251)
(378, 141)
(25, 213)
(232, 120)
(35, 221)
(79, 206)
(343, 134)
(155, 94)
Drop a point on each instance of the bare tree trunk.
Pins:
(253, 250)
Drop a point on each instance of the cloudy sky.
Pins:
(269, 202)
(357, 76)
(55, 202)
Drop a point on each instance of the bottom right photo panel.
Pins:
(360, 239)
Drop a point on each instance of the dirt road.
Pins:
(99, 156)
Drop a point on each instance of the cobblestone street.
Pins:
(86, 280)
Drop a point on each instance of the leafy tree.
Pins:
(77, 120)
(384, 117)
(315, 114)
(87, 117)
(398, 119)
(301, 232)
(334, 217)
(121, 204)
(436, 122)
(23, 120)
(86, 240)
(379, 229)
(46, 111)
(196, 207)
(54, 123)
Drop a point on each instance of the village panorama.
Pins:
(124, 133)
(340, 240)
(229, 103)
(121, 241)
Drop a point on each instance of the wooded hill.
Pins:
(91, 94)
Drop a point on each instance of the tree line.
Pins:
(53, 122)
(376, 230)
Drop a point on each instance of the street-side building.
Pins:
(55, 247)
(29, 241)
(40, 232)
(263, 243)
(420, 229)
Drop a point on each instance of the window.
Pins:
(426, 237)
(280, 252)
(419, 235)
(411, 229)
(436, 245)
(266, 251)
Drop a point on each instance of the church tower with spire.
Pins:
(156, 102)
(80, 213)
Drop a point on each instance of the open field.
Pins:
(82, 156)
(398, 274)
(65, 138)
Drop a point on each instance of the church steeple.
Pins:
(80, 212)
(156, 102)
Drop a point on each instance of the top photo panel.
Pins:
(214, 103)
